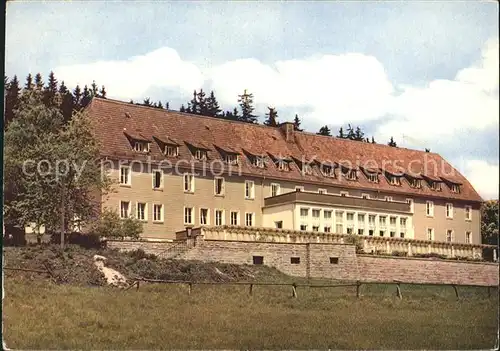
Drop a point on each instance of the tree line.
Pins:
(202, 103)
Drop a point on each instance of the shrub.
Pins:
(400, 253)
(109, 225)
(140, 254)
(356, 241)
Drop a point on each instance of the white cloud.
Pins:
(484, 177)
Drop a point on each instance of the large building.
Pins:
(175, 170)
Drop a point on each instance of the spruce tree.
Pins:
(296, 123)
(66, 100)
(373, 141)
(182, 109)
(272, 117)
(94, 91)
(427, 150)
(146, 102)
(86, 97)
(193, 104)
(50, 91)
(77, 98)
(202, 103)
(350, 133)
(246, 104)
(38, 81)
(11, 100)
(159, 105)
(341, 133)
(359, 135)
(167, 106)
(392, 143)
(324, 131)
(102, 92)
(213, 108)
(29, 83)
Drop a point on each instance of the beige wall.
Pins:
(283, 213)
(174, 199)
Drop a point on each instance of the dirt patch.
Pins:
(75, 266)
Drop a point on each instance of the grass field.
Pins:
(41, 315)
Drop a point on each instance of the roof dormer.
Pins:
(228, 155)
(257, 160)
(327, 169)
(454, 186)
(371, 174)
(199, 151)
(415, 181)
(282, 162)
(304, 165)
(349, 172)
(169, 146)
(393, 178)
(433, 183)
(138, 142)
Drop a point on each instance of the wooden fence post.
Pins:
(358, 286)
(294, 290)
(398, 291)
(251, 288)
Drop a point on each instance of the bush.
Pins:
(109, 225)
(400, 253)
(356, 241)
(430, 255)
(139, 254)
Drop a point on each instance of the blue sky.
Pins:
(421, 70)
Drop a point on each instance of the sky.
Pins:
(425, 73)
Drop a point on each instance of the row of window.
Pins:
(429, 209)
(450, 235)
(141, 213)
(293, 260)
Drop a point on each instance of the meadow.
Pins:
(39, 314)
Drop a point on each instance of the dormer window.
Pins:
(200, 154)
(350, 174)
(141, 146)
(328, 171)
(393, 180)
(231, 159)
(171, 150)
(283, 165)
(415, 183)
(258, 161)
(372, 177)
(455, 188)
(435, 185)
(306, 168)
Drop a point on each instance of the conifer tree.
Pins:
(167, 106)
(94, 91)
(193, 104)
(102, 92)
(246, 104)
(296, 123)
(373, 141)
(202, 103)
(350, 133)
(131, 101)
(11, 100)
(427, 150)
(86, 97)
(324, 131)
(50, 91)
(341, 133)
(182, 109)
(146, 102)
(29, 83)
(66, 100)
(359, 135)
(77, 98)
(159, 105)
(392, 143)
(213, 108)
(38, 81)
(272, 117)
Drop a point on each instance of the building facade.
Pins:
(175, 170)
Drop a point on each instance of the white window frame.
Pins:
(141, 146)
(303, 229)
(322, 191)
(452, 235)
(161, 213)
(305, 209)
(429, 208)
(372, 177)
(258, 161)
(129, 209)
(200, 154)
(327, 218)
(299, 188)
(326, 173)
(344, 193)
(231, 159)
(278, 189)
(192, 216)
(469, 217)
(191, 183)
(237, 218)
(468, 237)
(156, 171)
(251, 216)
(207, 216)
(223, 186)
(449, 210)
(129, 175)
(283, 165)
(145, 219)
(412, 204)
(171, 150)
(249, 192)
(365, 196)
(432, 237)
(316, 218)
(388, 198)
(222, 216)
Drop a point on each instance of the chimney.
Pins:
(288, 130)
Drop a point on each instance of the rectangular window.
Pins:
(339, 228)
(361, 219)
(328, 171)
(370, 232)
(339, 216)
(219, 217)
(204, 216)
(188, 215)
(382, 232)
(124, 209)
(258, 259)
(410, 202)
(350, 174)
(321, 191)
(388, 198)
(415, 183)
(278, 224)
(468, 237)
(141, 211)
(372, 177)
(295, 260)
(361, 231)
(382, 221)
(334, 260)
(171, 150)
(365, 196)
(200, 154)
(231, 159)
(350, 216)
(157, 180)
(258, 161)
(275, 189)
(455, 188)
(125, 175)
(392, 234)
(430, 234)
(392, 221)
(449, 210)
(371, 220)
(188, 183)
(402, 222)
(249, 189)
(393, 180)
(303, 227)
(449, 235)
(304, 212)
(344, 193)
(219, 186)
(299, 188)
(327, 214)
(402, 235)
(306, 169)
(315, 228)
(249, 219)
(283, 165)
(157, 213)
(327, 229)
(234, 218)
(468, 213)
(316, 213)
(141, 146)
(429, 208)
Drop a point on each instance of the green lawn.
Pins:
(41, 315)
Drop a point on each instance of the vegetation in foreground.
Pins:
(42, 315)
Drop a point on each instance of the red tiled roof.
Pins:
(110, 120)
